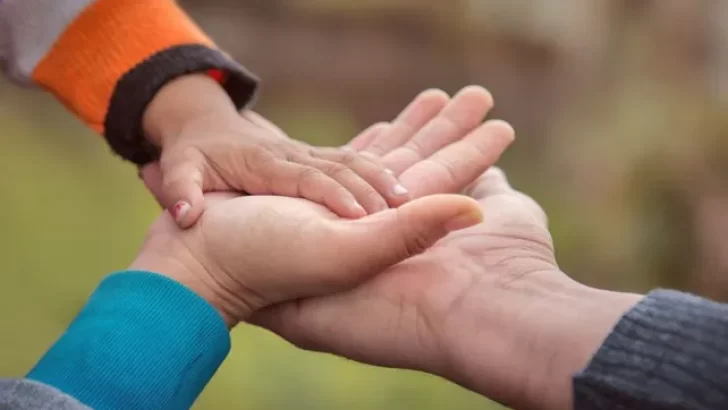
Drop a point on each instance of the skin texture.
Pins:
(207, 146)
(486, 307)
(230, 242)
(466, 287)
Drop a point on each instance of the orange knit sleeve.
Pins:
(116, 54)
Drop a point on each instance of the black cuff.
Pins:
(134, 91)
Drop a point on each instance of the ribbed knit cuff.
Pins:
(669, 352)
(136, 89)
(141, 342)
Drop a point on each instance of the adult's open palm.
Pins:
(404, 316)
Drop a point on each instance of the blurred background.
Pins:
(620, 109)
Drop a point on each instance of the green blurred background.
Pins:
(620, 108)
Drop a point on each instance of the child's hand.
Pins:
(247, 153)
(207, 146)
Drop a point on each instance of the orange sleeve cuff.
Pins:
(104, 42)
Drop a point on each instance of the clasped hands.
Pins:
(461, 282)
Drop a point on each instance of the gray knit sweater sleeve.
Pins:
(670, 352)
(20, 394)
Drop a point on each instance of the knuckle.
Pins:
(376, 148)
(451, 170)
(259, 167)
(259, 158)
(310, 175)
(348, 158)
(172, 188)
(174, 178)
(319, 152)
(369, 156)
(371, 198)
(336, 170)
(336, 155)
(416, 243)
(415, 145)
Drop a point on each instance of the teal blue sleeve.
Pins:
(141, 342)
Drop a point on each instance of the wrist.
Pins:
(521, 343)
(185, 271)
(184, 100)
(584, 319)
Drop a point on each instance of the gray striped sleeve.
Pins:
(20, 394)
(669, 352)
(29, 28)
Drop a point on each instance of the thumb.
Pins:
(181, 191)
(386, 238)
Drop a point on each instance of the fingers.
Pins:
(381, 240)
(382, 189)
(418, 113)
(182, 177)
(332, 185)
(492, 182)
(460, 116)
(351, 180)
(452, 168)
(366, 137)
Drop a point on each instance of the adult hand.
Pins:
(486, 307)
(251, 252)
(436, 145)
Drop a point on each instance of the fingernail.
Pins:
(399, 189)
(179, 210)
(389, 171)
(464, 220)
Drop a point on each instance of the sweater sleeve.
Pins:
(106, 59)
(670, 352)
(141, 342)
(18, 394)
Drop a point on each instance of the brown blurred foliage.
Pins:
(618, 105)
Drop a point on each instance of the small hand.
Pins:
(210, 147)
